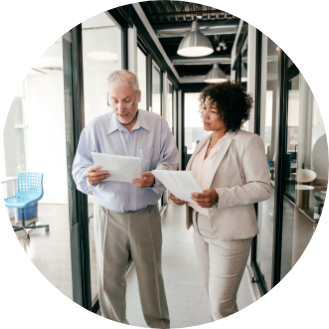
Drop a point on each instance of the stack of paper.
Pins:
(121, 168)
(180, 183)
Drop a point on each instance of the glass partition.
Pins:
(156, 89)
(35, 141)
(170, 108)
(101, 39)
(141, 74)
(243, 76)
(306, 176)
(193, 124)
(268, 134)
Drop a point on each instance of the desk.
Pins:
(5, 180)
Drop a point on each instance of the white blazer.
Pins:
(240, 176)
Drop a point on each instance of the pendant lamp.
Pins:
(215, 75)
(195, 43)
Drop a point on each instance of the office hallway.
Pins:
(186, 294)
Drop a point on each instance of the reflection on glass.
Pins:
(244, 64)
(101, 40)
(170, 116)
(101, 56)
(35, 141)
(156, 89)
(291, 169)
(141, 75)
(244, 73)
(193, 124)
(156, 100)
(268, 123)
(292, 136)
(306, 172)
(319, 161)
(175, 115)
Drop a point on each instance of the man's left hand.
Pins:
(147, 179)
(206, 199)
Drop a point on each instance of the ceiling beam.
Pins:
(202, 61)
(187, 13)
(195, 79)
(178, 43)
(187, 25)
(213, 31)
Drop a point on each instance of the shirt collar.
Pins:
(115, 124)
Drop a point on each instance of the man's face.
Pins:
(120, 97)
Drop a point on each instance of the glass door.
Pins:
(157, 99)
(156, 89)
(306, 170)
(141, 75)
(101, 39)
(268, 134)
(193, 125)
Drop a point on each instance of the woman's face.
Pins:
(211, 119)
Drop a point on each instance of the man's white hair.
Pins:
(123, 77)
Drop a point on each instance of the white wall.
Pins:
(8, 161)
(45, 135)
(42, 94)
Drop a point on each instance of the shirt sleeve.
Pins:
(82, 161)
(169, 155)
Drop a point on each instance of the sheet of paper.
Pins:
(121, 168)
(180, 183)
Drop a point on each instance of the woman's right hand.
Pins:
(177, 201)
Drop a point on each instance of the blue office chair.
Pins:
(30, 190)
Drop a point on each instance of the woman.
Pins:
(231, 168)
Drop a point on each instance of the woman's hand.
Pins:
(177, 201)
(206, 199)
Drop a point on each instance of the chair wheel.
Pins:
(47, 229)
(27, 237)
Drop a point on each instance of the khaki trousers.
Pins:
(117, 237)
(222, 263)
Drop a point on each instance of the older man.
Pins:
(126, 216)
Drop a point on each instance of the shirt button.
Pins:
(133, 196)
(129, 149)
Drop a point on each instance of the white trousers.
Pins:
(222, 263)
(136, 234)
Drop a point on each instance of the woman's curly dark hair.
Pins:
(232, 102)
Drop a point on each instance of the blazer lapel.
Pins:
(220, 156)
(199, 147)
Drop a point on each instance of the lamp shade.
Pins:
(195, 43)
(215, 75)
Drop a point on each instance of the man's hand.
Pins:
(147, 179)
(206, 199)
(95, 176)
(177, 201)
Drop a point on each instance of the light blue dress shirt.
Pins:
(150, 139)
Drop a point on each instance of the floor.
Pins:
(186, 296)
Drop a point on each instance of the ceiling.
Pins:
(171, 20)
